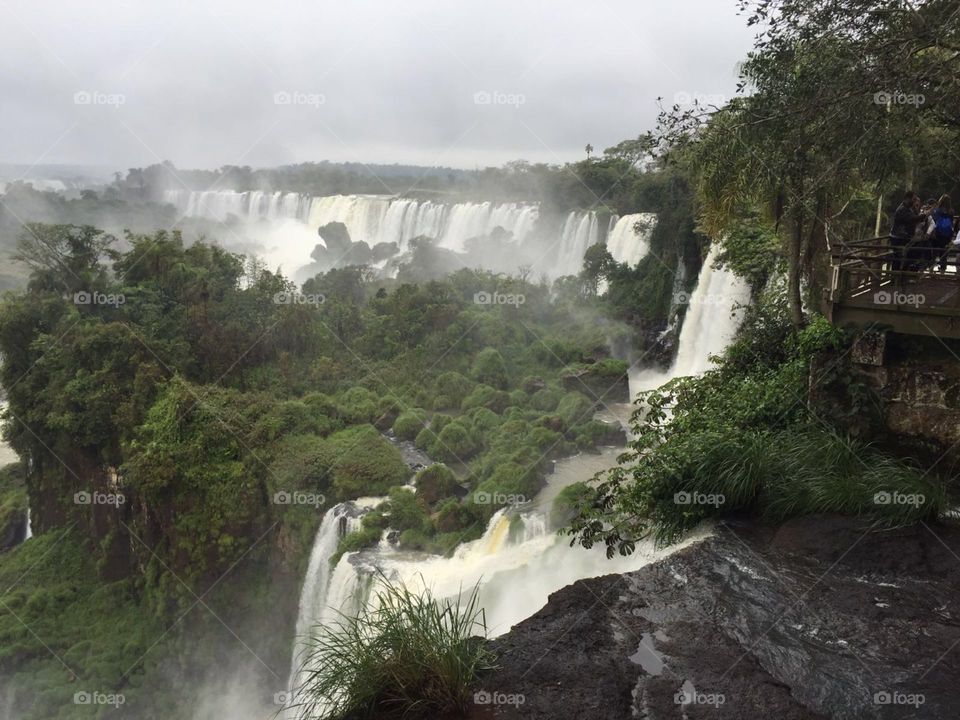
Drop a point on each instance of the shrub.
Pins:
(403, 655)
(489, 369)
(406, 512)
(426, 440)
(444, 402)
(596, 432)
(415, 539)
(367, 536)
(409, 424)
(439, 422)
(546, 400)
(575, 408)
(485, 419)
(488, 397)
(358, 405)
(435, 483)
(454, 386)
(455, 444)
(567, 501)
(362, 462)
(291, 417)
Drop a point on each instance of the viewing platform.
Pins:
(876, 285)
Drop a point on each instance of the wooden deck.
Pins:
(872, 287)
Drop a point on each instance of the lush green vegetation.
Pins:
(843, 102)
(747, 437)
(65, 630)
(227, 422)
(13, 503)
(407, 656)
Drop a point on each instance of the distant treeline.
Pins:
(611, 180)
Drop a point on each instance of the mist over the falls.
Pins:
(503, 237)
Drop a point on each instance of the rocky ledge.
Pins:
(820, 618)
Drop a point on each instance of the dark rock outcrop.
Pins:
(821, 618)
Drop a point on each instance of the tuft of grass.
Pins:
(790, 473)
(404, 655)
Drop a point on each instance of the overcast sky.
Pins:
(462, 83)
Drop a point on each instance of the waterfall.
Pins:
(515, 565)
(579, 231)
(29, 533)
(318, 574)
(517, 562)
(369, 218)
(625, 245)
(712, 319)
(710, 324)
(286, 223)
(319, 585)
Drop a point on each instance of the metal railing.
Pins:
(876, 274)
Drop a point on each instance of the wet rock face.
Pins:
(822, 618)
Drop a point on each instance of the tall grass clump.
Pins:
(404, 655)
(790, 473)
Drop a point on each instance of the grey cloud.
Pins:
(389, 81)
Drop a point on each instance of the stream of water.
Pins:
(520, 559)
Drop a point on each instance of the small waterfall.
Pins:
(338, 521)
(712, 319)
(708, 327)
(627, 246)
(29, 527)
(580, 230)
(517, 562)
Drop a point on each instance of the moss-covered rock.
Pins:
(409, 424)
(435, 483)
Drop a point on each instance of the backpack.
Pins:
(944, 225)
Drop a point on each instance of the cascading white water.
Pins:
(710, 324)
(626, 245)
(313, 608)
(520, 559)
(579, 231)
(369, 218)
(516, 564)
(29, 533)
(286, 225)
(712, 318)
